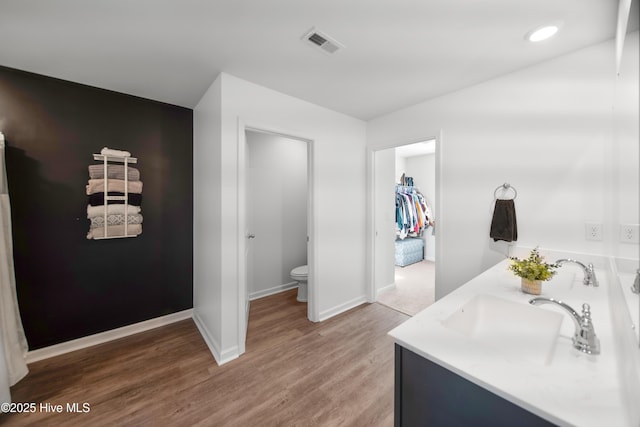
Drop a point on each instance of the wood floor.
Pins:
(294, 373)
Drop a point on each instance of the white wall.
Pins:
(207, 211)
(276, 211)
(401, 167)
(338, 174)
(423, 171)
(545, 130)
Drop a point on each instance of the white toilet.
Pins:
(299, 274)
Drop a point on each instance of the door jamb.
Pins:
(312, 304)
(370, 220)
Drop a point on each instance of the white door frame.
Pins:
(312, 303)
(371, 220)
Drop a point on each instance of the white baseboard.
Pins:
(326, 314)
(272, 291)
(385, 289)
(430, 258)
(220, 356)
(103, 337)
(247, 310)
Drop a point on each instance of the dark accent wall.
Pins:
(70, 287)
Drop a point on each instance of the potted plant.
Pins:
(533, 271)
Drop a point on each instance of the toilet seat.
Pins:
(300, 272)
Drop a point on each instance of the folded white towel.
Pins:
(97, 186)
(115, 219)
(115, 231)
(113, 172)
(115, 153)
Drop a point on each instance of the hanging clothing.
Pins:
(413, 215)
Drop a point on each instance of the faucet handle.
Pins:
(585, 321)
(636, 283)
(591, 276)
(586, 313)
(586, 340)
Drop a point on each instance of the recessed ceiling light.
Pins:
(542, 33)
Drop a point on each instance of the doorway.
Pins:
(404, 221)
(275, 216)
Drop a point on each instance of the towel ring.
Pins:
(505, 187)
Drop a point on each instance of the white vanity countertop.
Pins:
(574, 388)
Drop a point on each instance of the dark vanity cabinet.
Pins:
(426, 394)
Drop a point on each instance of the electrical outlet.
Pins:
(593, 231)
(629, 233)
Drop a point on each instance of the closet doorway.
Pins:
(405, 221)
(277, 213)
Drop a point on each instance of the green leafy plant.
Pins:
(533, 267)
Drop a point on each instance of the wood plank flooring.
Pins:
(294, 373)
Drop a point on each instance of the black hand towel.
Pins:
(503, 224)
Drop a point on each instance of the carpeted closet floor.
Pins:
(415, 288)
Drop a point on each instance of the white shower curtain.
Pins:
(13, 342)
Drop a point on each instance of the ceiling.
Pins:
(416, 149)
(398, 53)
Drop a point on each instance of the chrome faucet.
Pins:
(585, 338)
(636, 283)
(590, 278)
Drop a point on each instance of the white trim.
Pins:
(385, 289)
(103, 337)
(370, 203)
(313, 297)
(313, 294)
(370, 252)
(228, 355)
(271, 291)
(220, 356)
(247, 309)
(211, 342)
(241, 236)
(326, 314)
(440, 201)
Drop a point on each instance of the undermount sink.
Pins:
(515, 330)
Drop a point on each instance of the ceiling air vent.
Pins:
(322, 41)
